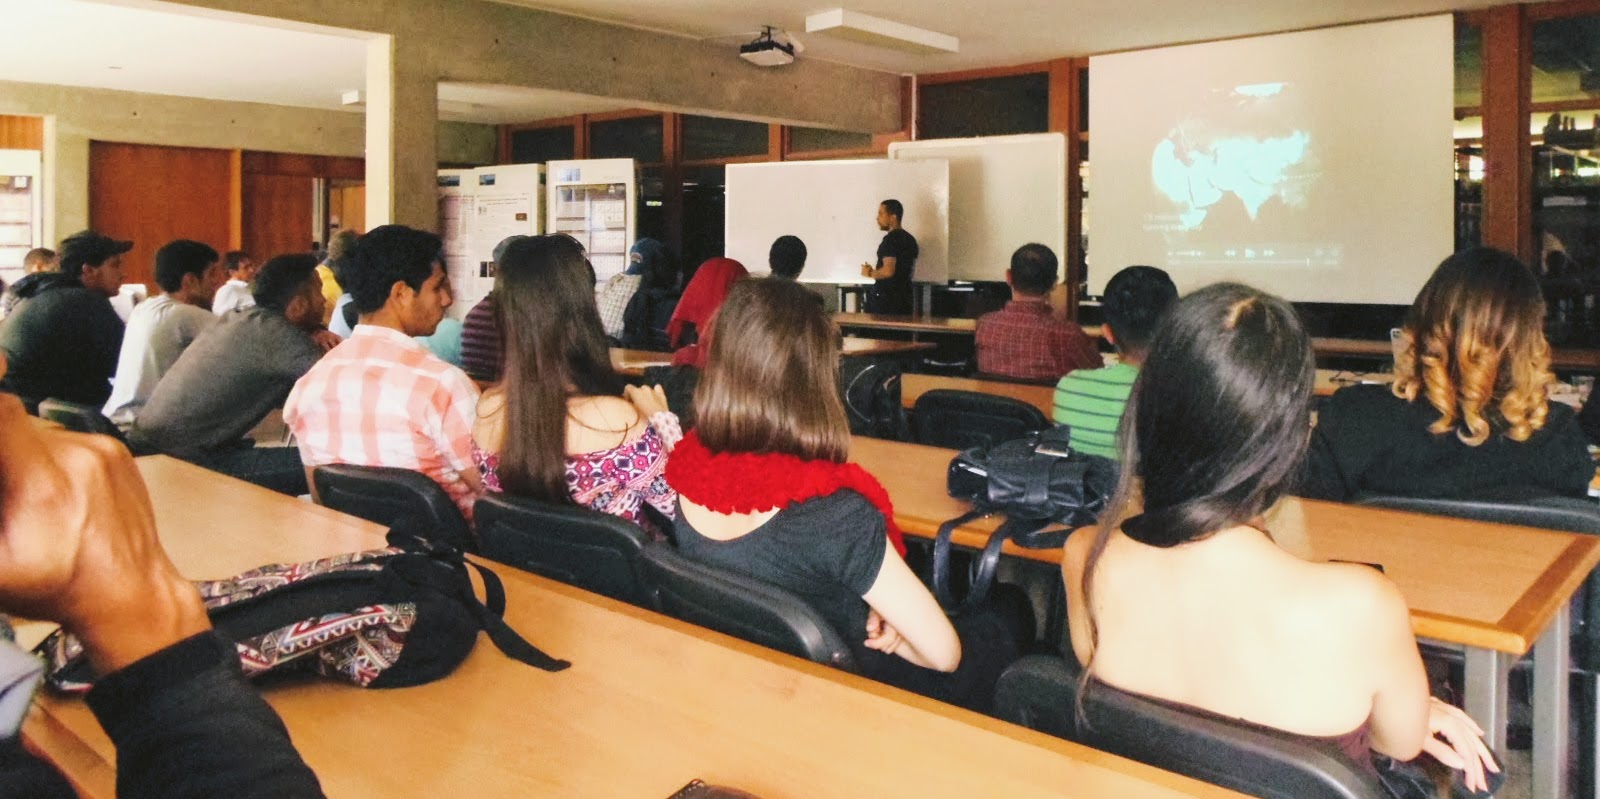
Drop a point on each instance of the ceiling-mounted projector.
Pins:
(766, 51)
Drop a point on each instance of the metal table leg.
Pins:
(1486, 676)
(1552, 663)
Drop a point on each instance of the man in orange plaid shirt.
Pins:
(380, 398)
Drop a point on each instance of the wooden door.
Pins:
(277, 214)
(153, 194)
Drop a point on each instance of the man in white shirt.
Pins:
(236, 292)
(162, 327)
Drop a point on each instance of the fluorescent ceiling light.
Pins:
(859, 27)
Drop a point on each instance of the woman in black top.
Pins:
(1468, 415)
(765, 490)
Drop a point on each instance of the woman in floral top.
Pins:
(561, 426)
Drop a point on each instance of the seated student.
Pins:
(236, 292)
(644, 322)
(1468, 415)
(480, 330)
(81, 550)
(38, 261)
(1024, 341)
(341, 250)
(1090, 401)
(63, 338)
(646, 256)
(380, 398)
(698, 307)
(557, 428)
(162, 327)
(234, 375)
(1192, 601)
(787, 257)
(765, 490)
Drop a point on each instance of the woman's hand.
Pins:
(881, 635)
(1455, 740)
(650, 400)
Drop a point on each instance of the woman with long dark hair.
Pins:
(1180, 594)
(765, 490)
(558, 427)
(1468, 415)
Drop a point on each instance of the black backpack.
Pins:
(384, 618)
(870, 390)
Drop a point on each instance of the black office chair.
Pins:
(1041, 691)
(960, 419)
(742, 607)
(594, 551)
(390, 496)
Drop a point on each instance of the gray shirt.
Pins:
(225, 383)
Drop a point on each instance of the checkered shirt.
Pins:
(381, 399)
(1024, 341)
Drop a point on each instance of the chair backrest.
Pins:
(1552, 513)
(388, 496)
(575, 545)
(742, 607)
(960, 419)
(1041, 692)
(79, 418)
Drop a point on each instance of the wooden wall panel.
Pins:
(153, 195)
(277, 214)
(21, 133)
(347, 206)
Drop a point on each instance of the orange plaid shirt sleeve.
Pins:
(381, 399)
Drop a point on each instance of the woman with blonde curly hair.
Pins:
(1468, 415)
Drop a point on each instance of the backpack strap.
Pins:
(941, 560)
(507, 640)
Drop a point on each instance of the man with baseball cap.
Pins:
(63, 338)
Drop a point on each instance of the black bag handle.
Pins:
(490, 613)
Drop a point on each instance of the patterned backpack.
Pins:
(383, 618)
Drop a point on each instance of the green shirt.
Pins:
(1090, 401)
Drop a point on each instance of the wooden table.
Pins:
(946, 325)
(1581, 360)
(1497, 590)
(649, 703)
(913, 386)
(634, 362)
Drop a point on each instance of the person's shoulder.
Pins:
(831, 512)
(1367, 400)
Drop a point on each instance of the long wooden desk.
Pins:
(634, 362)
(913, 386)
(1497, 590)
(648, 705)
(1583, 360)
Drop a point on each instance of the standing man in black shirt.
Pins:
(897, 258)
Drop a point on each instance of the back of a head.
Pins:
(1473, 344)
(1134, 301)
(1034, 270)
(1220, 417)
(894, 208)
(179, 258)
(236, 260)
(282, 279)
(387, 255)
(341, 253)
(787, 257)
(39, 259)
(771, 378)
(555, 347)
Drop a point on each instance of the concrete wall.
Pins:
(75, 116)
(473, 41)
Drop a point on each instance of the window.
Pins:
(639, 138)
(985, 107)
(541, 145)
(713, 138)
(813, 140)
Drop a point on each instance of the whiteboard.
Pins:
(833, 206)
(1005, 191)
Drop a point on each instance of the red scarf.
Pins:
(747, 482)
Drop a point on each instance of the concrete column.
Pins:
(402, 135)
(66, 181)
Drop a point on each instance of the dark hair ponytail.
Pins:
(1217, 424)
